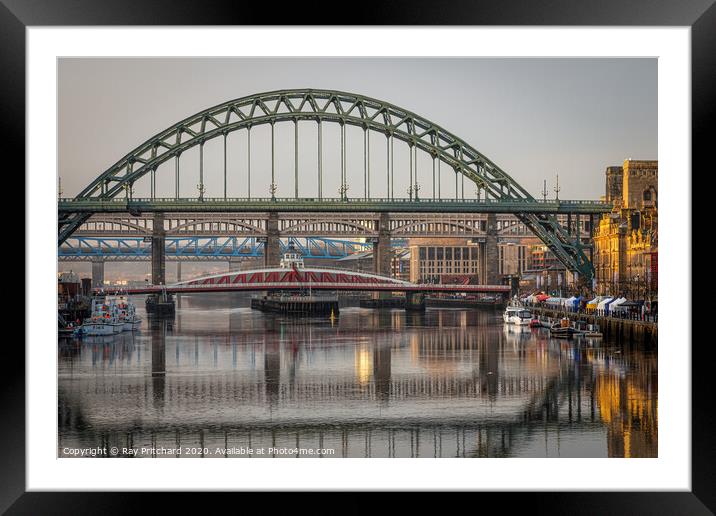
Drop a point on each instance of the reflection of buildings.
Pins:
(629, 410)
(362, 387)
(626, 240)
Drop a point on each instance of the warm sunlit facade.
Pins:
(626, 240)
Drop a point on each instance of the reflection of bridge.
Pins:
(140, 182)
(487, 401)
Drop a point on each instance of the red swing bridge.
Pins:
(306, 279)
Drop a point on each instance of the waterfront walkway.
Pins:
(621, 329)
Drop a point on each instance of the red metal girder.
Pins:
(256, 277)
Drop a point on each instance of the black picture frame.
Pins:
(16, 15)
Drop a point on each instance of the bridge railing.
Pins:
(332, 285)
(292, 200)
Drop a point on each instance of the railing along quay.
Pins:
(621, 329)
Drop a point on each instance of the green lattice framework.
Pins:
(337, 107)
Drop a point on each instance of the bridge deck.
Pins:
(333, 286)
(135, 205)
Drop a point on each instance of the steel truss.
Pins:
(337, 107)
(202, 248)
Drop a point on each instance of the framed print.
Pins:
(418, 258)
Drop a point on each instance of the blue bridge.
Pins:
(127, 249)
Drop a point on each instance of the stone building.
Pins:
(517, 254)
(626, 240)
(444, 260)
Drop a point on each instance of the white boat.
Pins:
(103, 320)
(126, 311)
(517, 315)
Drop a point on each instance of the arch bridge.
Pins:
(416, 156)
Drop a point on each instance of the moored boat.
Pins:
(103, 320)
(563, 329)
(517, 315)
(126, 312)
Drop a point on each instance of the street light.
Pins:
(343, 190)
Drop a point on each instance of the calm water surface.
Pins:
(232, 382)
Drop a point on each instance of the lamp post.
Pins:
(343, 190)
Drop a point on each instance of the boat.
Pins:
(103, 320)
(562, 329)
(517, 315)
(127, 312)
(592, 332)
(65, 328)
(299, 303)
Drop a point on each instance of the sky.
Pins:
(534, 118)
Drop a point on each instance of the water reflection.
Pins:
(444, 383)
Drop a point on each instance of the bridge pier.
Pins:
(178, 296)
(272, 247)
(97, 272)
(415, 301)
(490, 256)
(235, 264)
(158, 258)
(382, 252)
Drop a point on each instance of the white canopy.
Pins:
(603, 303)
(617, 302)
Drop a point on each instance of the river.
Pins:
(222, 380)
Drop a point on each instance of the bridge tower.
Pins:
(272, 247)
(382, 252)
(97, 272)
(158, 258)
(235, 264)
(490, 255)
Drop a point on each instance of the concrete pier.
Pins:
(415, 301)
(235, 264)
(382, 252)
(490, 256)
(97, 273)
(158, 258)
(272, 247)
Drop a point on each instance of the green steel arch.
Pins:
(337, 107)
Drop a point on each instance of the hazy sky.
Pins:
(532, 117)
